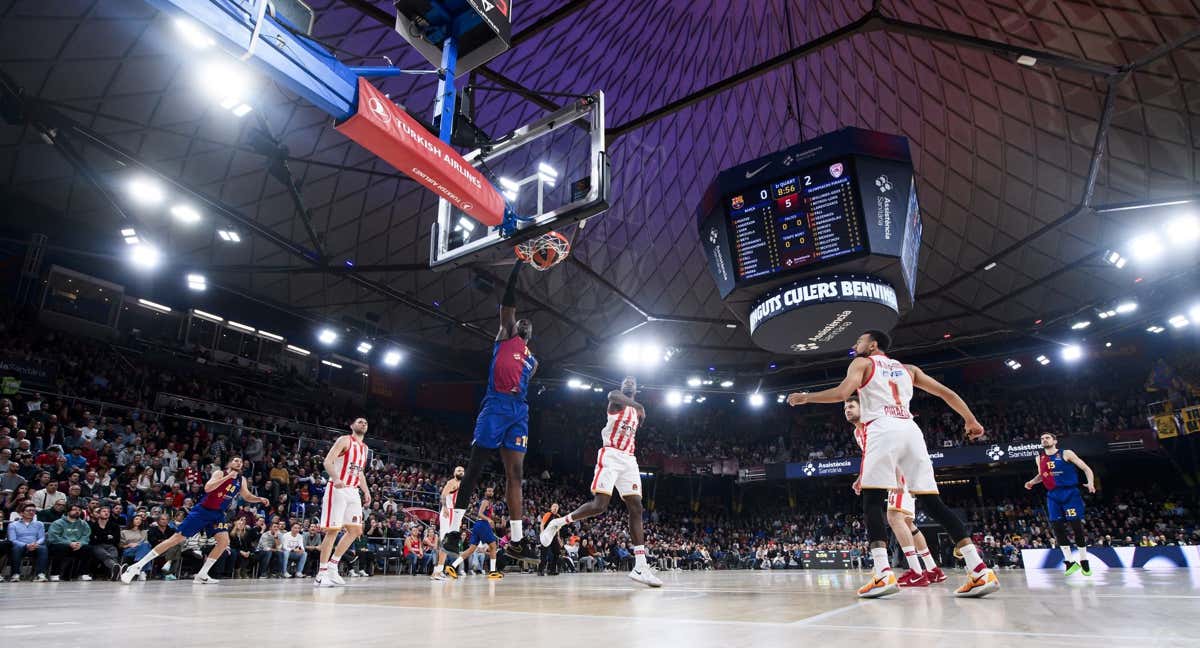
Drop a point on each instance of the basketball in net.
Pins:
(545, 251)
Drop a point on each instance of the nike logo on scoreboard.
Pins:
(751, 174)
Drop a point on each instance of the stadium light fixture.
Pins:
(245, 328)
(146, 191)
(1115, 259)
(207, 316)
(297, 350)
(990, 266)
(130, 236)
(1043, 360)
(1183, 230)
(727, 384)
(1108, 345)
(197, 282)
(694, 381)
(1027, 60)
(185, 214)
(365, 347)
(1194, 314)
(145, 256)
(329, 363)
(509, 185)
(1125, 308)
(229, 236)
(598, 389)
(193, 34)
(674, 398)
(1080, 325)
(227, 84)
(392, 358)
(781, 398)
(1145, 247)
(1156, 329)
(274, 337)
(757, 400)
(687, 398)
(548, 171)
(1012, 364)
(327, 336)
(1072, 352)
(146, 303)
(1178, 321)
(646, 354)
(731, 326)
(574, 383)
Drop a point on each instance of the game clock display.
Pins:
(796, 221)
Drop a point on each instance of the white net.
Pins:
(545, 251)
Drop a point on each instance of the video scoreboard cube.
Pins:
(814, 243)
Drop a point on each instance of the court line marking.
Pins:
(1006, 633)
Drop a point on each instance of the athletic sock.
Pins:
(879, 556)
(970, 554)
(639, 557)
(335, 558)
(927, 558)
(493, 564)
(1083, 554)
(1066, 551)
(910, 555)
(514, 531)
(457, 563)
(146, 559)
(208, 563)
(456, 519)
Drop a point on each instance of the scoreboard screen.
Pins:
(797, 221)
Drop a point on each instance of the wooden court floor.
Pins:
(724, 608)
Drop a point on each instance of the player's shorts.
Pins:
(502, 422)
(445, 522)
(1064, 503)
(482, 533)
(899, 499)
(340, 507)
(892, 446)
(616, 471)
(202, 519)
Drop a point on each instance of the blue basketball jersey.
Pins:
(1064, 472)
(512, 364)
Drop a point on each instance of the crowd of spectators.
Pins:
(94, 475)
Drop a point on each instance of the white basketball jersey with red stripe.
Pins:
(354, 460)
(620, 431)
(886, 391)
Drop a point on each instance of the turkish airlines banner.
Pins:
(388, 131)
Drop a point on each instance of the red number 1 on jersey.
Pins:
(895, 393)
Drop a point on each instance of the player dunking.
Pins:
(445, 517)
(209, 516)
(503, 422)
(483, 533)
(1056, 471)
(617, 468)
(901, 517)
(342, 508)
(893, 444)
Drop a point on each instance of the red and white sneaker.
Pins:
(911, 578)
(936, 575)
(880, 586)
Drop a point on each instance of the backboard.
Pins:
(552, 172)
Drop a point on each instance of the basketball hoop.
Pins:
(545, 251)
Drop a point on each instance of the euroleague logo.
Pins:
(500, 4)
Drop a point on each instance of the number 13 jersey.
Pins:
(887, 390)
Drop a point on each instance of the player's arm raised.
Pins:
(330, 462)
(1070, 455)
(923, 381)
(508, 306)
(850, 384)
(618, 398)
(1037, 479)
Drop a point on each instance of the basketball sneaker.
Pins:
(495, 576)
(333, 576)
(522, 552)
(1087, 569)
(936, 575)
(911, 578)
(880, 586)
(451, 572)
(205, 580)
(129, 574)
(645, 577)
(323, 581)
(437, 576)
(551, 530)
(1072, 567)
(978, 585)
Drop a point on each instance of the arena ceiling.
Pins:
(1010, 158)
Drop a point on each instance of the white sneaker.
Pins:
(85, 578)
(41, 578)
(551, 530)
(438, 576)
(360, 573)
(54, 579)
(646, 577)
(287, 574)
(141, 576)
(15, 578)
(324, 582)
(129, 574)
(334, 577)
(204, 579)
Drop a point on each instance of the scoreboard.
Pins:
(815, 243)
(800, 220)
